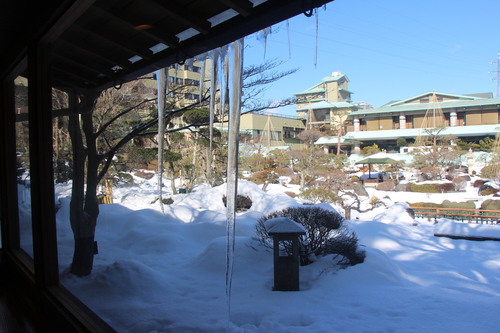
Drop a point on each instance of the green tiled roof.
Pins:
(461, 97)
(327, 105)
(333, 78)
(342, 89)
(314, 88)
(426, 106)
(311, 91)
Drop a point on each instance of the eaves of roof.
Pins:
(327, 105)
(330, 140)
(342, 89)
(311, 91)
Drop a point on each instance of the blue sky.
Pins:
(388, 49)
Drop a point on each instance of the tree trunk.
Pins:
(172, 177)
(84, 209)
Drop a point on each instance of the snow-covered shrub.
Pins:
(388, 185)
(326, 233)
(319, 194)
(124, 178)
(459, 184)
(431, 173)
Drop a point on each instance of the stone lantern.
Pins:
(286, 266)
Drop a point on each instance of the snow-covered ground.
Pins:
(166, 272)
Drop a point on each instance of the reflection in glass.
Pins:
(63, 173)
(23, 164)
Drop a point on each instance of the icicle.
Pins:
(289, 44)
(317, 26)
(232, 164)
(189, 64)
(161, 83)
(202, 78)
(224, 86)
(213, 92)
(262, 36)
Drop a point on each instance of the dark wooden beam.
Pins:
(70, 62)
(264, 15)
(102, 38)
(101, 63)
(43, 214)
(69, 77)
(244, 7)
(152, 33)
(121, 42)
(190, 19)
(8, 169)
(111, 59)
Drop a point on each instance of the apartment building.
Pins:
(272, 130)
(327, 102)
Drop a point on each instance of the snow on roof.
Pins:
(283, 225)
(460, 131)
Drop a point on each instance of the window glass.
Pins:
(23, 164)
(62, 160)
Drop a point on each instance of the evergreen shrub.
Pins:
(326, 233)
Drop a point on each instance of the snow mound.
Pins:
(446, 227)
(396, 214)
(211, 198)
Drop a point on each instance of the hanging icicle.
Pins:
(288, 35)
(317, 29)
(214, 57)
(232, 164)
(262, 36)
(224, 86)
(161, 84)
(202, 78)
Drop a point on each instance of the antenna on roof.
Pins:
(497, 71)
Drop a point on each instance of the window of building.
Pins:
(192, 82)
(395, 122)
(290, 132)
(409, 121)
(191, 96)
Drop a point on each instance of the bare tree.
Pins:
(96, 140)
(309, 158)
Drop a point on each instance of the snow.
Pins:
(166, 273)
(283, 225)
(451, 228)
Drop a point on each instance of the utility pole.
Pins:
(497, 73)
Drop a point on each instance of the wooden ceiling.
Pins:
(116, 41)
